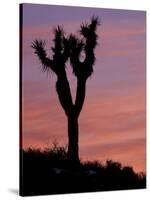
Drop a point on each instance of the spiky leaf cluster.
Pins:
(70, 47)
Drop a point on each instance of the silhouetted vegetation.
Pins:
(49, 171)
(58, 170)
(71, 48)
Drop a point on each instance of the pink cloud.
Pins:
(105, 122)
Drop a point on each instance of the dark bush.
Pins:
(49, 172)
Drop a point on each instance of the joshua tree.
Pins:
(65, 48)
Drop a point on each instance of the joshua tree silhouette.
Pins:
(64, 48)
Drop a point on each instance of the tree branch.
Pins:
(58, 46)
(76, 47)
(80, 95)
(64, 93)
(66, 49)
(88, 31)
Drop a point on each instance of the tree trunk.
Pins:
(73, 147)
(80, 95)
(64, 93)
(72, 113)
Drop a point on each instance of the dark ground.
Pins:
(49, 172)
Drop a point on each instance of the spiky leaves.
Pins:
(58, 46)
(88, 32)
(61, 47)
(60, 51)
(38, 46)
(91, 42)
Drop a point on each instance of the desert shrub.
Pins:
(47, 171)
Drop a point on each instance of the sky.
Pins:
(112, 123)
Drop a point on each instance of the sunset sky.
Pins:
(112, 123)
